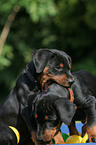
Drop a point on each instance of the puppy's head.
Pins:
(53, 65)
(50, 111)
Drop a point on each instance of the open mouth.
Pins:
(48, 79)
(48, 84)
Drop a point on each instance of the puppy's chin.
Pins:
(47, 136)
(46, 139)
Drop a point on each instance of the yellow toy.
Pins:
(76, 139)
(16, 133)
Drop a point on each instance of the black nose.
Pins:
(70, 81)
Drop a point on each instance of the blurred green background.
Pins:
(68, 25)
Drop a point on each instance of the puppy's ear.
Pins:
(65, 109)
(40, 59)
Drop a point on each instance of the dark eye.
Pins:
(58, 68)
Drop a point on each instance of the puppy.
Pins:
(52, 107)
(56, 65)
(46, 112)
(46, 64)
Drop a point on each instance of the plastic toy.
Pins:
(16, 133)
(76, 139)
(65, 136)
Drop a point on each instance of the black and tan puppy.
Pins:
(46, 64)
(46, 111)
(52, 107)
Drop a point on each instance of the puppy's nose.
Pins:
(70, 81)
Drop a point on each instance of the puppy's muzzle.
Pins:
(70, 81)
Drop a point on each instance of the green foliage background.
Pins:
(68, 25)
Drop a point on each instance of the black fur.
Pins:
(55, 104)
(27, 84)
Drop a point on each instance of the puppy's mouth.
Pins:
(48, 79)
(47, 138)
(48, 84)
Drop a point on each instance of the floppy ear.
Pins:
(65, 109)
(40, 59)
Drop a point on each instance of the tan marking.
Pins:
(61, 79)
(36, 116)
(46, 117)
(71, 94)
(70, 66)
(45, 69)
(61, 65)
(75, 107)
(49, 133)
